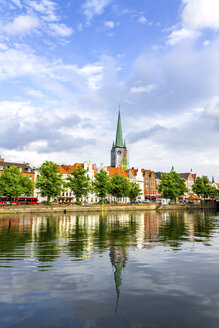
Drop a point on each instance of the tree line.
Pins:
(51, 184)
(172, 186)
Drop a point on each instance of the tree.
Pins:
(49, 182)
(213, 193)
(101, 185)
(13, 183)
(172, 186)
(201, 187)
(134, 191)
(79, 183)
(119, 186)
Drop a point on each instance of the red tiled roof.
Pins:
(70, 168)
(62, 170)
(194, 197)
(113, 170)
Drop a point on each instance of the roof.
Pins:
(159, 174)
(67, 169)
(70, 168)
(194, 197)
(62, 170)
(24, 166)
(113, 170)
(119, 139)
(134, 171)
(184, 175)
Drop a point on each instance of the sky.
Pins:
(67, 66)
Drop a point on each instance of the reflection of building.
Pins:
(118, 259)
(119, 152)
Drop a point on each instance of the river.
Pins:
(143, 269)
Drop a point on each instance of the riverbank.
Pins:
(98, 208)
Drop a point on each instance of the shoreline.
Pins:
(54, 209)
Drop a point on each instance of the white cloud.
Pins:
(3, 46)
(179, 35)
(34, 93)
(109, 24)
(92, 8)
(143, 89)
(61, 29)
(142, 20)
(46, 8)
(22, 24)
(206, 43)
(198, 14)
(93, 74)
(212, 108)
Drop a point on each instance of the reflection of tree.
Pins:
(186, 224)
(173, 231)
(13, 234)
(204, 226)
(78, 239)
(45, 240)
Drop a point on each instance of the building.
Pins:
(151, 183)
(119, 151)
(189, 181)
(136, 175)
(24, 168)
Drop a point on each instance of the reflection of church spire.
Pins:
(118, 260)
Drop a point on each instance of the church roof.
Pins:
(119, 139)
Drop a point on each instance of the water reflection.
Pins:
(73, 246)
(81, 235)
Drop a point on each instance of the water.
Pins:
(151, 269)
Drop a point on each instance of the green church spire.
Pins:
(119, 139)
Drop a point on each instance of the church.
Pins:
(119, 151)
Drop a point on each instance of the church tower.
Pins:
(119, 152)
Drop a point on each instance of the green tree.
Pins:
(172, 186)
(49, 182)
(134, 191)
(119, 186)
(79, 183)
(101, 185)
(13, 183)
(202, 187)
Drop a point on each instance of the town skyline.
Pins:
(66, 67)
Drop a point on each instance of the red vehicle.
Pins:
(18, 200)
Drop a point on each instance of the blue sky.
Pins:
(66, 66)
